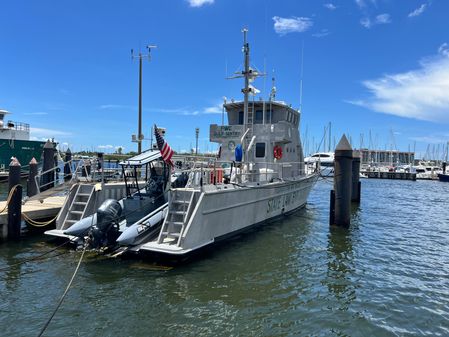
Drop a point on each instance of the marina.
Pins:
(164, 170)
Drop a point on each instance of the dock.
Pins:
(33, 209)
(390, 175)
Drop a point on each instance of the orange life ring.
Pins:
(277, 152)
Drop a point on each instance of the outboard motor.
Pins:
(106, 229)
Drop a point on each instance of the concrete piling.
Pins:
(68, 165)
(356, 185)
(15, 202)
(49, 162)
(31, 182)
(343, 183)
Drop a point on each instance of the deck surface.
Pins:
(36, 210)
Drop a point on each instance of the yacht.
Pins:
(325, 160)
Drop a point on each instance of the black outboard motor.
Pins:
(106, 230)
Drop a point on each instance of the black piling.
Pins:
(343, 183)
(15, 202)
(49, 162)
(68, 165)
(31, 182)
(356, 184)
(444, 167)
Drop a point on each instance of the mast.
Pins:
(140, 56)
(246, 75)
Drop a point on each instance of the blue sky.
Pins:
(378, 67)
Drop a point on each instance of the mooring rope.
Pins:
(8, 200)
(64, 294)
(35, 223)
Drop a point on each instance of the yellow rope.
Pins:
(11, 192)
(24, 216)
(37, 223)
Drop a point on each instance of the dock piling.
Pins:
(356, 185)
(49, 162)
(68, 165)
(31, 182)
(343, 183)
(15, 202)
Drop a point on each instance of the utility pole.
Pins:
(140, 56)
(197, 132)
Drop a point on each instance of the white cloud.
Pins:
(383, 18)
(190, 113)
(366, 22)
(418, 11)
(115, 107)
(436, 138)
(380, 19)
(39, 132)
(322, 33)
(330, 6)
(106, 147)
(294, 24)
(360, 3)
(420, 94)
(444, 49)
(199, 3)
(213, 109)
(36, 113)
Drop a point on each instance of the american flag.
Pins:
(166, 151)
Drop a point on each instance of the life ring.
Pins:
(277, 152)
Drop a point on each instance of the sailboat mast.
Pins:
(246, 74)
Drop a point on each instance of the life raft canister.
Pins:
(277, 152)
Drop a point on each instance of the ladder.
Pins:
(249, 126)
(79, 205)
(131, 182)
(176, 220)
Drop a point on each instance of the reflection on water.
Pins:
(341, 266)
(386, 275)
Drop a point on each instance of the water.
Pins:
(388, 275)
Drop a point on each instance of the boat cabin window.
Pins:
(260, 150)
(259, 117)
(240, 117)
(268, 116)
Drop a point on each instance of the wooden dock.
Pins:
(33, 209)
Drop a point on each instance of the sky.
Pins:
(376, 70)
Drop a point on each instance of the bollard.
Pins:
(68, 165)
(343, 183)
(355, 193)
(49, 162)
(31, 182)
(15, 202)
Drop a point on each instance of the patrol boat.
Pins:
(258, 175)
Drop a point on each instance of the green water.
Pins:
(388, 275)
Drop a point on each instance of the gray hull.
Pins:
(220, 213)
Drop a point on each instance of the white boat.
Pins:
(259, 175)
(130, 220)
(325, 160)
(426, 170)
